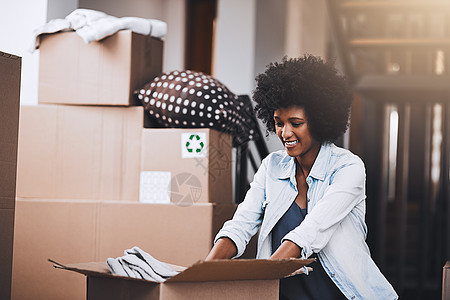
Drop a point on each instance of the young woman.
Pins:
(307, 200)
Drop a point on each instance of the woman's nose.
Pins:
(286, 132)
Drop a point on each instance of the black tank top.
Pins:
(315, 286)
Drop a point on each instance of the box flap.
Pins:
(89, 268)
(99, 269)
(240, 269)
(215, 270)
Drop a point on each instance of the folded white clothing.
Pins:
(128, 270)
(53, 26)
(99, 29)
(92, 25)
(159, 267)
(142, 267)
(136, 263)
(116, 267)
(82, 17)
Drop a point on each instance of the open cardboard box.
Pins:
(216, 279)
(181, 235)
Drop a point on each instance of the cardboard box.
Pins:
(79, 152)
(74, 231)
(196, 162)
(10, 69)
(446, 282)
(218, 279)
(104, 72)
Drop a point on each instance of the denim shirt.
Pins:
(334, 227)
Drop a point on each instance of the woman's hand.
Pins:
(224, 248)
(287, 249)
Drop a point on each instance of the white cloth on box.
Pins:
(92, 25)
(160, 268)
(136, 263)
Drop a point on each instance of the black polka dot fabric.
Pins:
(189, 99)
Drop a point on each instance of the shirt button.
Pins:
(332, 274)
(353, 297)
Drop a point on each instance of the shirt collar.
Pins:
(318, 170)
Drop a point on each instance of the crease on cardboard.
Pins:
(123, 151)
(97, 229)
(98, 160)
(106, 153)
(58, 139)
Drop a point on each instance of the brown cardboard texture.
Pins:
(198, 162)
(179, 234)
(104, 72)
(6, 248)
(79, 152)
(64, 230)
(81, 230)
(10, 69)
(217, 279)
(446, 282)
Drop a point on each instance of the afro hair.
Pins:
(310, 83)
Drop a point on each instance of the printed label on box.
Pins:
(155, 187)
(193, 144)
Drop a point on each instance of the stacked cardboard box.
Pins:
(88, 170)
(10, 66)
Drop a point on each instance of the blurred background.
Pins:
(395, 54)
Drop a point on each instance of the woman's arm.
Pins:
(224, 248)
(246, 221)
(287, 249)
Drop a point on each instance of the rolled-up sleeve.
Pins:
(345, 191)
(248, 216)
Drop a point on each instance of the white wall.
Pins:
(18, 19)
(59, 9)
(174, 42)
(170, 11)
(129, 8)
(234, 44)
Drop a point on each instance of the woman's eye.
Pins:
(278, 124)
(297, 124)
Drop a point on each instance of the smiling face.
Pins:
(291, 126)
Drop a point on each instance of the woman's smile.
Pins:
(290, 144)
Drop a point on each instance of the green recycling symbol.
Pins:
(193, 139)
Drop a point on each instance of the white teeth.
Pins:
(290, 143)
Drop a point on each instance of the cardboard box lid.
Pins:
(214, 270)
